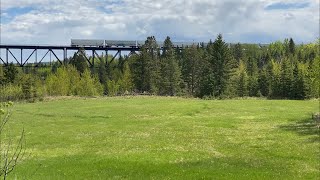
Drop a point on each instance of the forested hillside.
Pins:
(280, 70)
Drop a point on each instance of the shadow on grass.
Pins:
(305, 127)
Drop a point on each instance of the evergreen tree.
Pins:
(276, 50)
(237, 52)
(274, 71)
(10, 73)
(263, 82)
(191, 69)
(286, 78)
(126, 81)
(137, 67)
(312, 81)
(298, 84)
(252, 70)
(170, 70)
(146, 67)
(27, 87)
(102, 72)
(242, 80)
(291, 46)
(2, 79)
(79, 61)
(221, 62)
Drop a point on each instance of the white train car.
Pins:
(113, 43)
(87, 43)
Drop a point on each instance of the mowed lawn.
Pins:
(167, 138)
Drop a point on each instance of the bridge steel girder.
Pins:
(55, 55)
(85, 56)
(23, 61)
(119, 52)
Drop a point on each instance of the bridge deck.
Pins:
(2, 46)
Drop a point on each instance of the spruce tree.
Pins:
(170, 70)
(286, 78)
(298, 84)
(79, 61)
(146, 67)
(237, 52)
(10, 73)
(274, 79)
(191, 69)
(291, 46)
(221, 62)
(263, 82)
(242, 80)
(153, 64)
(252, 70)
(102, 72)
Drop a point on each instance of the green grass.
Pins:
(168, 138)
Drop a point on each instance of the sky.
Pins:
(246, 21)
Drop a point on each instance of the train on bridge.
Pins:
(120, 43)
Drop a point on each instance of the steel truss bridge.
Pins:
(23, 60)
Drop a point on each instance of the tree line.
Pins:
(280, 70)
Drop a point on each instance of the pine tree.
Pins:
(291, 46)
(221, 62)
(242, 80)
(274, 79)
(79, 61)
(137, 67)
(312, 80)
(126, 81)
(237, 52)
(102, 72)
(2, 79)
(170, 70)
(10, 73)
(286, 78)
(146, 67)
(191, 69)
(263, 82)
(252, 69)
(298, 84)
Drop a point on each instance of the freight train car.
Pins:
(113, 43)
(87, 43)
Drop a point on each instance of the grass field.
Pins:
(168, 138)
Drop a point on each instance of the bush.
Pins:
(113, 87)
(68, 81)
(89, 86)
(11, 92)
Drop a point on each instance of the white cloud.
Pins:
(57, 21)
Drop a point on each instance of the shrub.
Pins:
(11, 92)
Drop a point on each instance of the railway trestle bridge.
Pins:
(24, 60)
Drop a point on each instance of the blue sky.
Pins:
(286, 6)
(247, 21)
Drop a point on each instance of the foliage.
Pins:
(67, 81)
(10, 73)
(113, 87)
(79, 61)
(220, 64)
(89, 86)
(11, 92)
(242, 80)
(169, 70)
(191, 69)
(281, 69)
